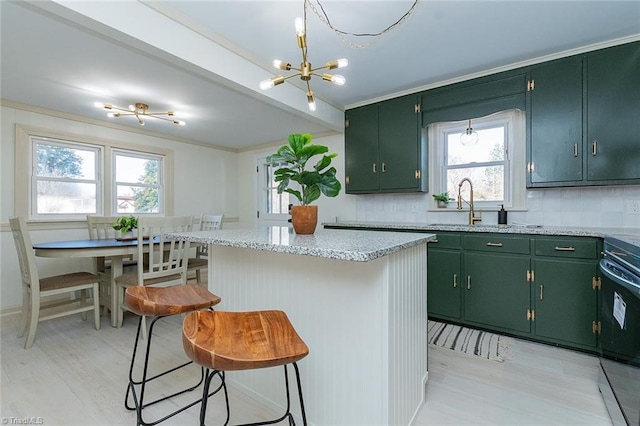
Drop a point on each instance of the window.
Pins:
(495, 165)
(138, 184)
(272, 206)
(63, 177)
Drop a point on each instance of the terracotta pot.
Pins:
(304, 219)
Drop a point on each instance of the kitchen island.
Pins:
(357, 298)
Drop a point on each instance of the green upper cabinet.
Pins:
(584, 119)
(384, 150)
(555, 122)
(613, 114)
(361, 149)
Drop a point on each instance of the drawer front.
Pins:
(446, 240)
(581, 248)
(497, 243)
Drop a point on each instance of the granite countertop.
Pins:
(351, 245)
(599, 232)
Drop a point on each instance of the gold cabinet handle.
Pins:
(455, 280)
(494, 244)
(594, 147)
(468, 282)
(557, 248)
(384, 167)
(374, 168)
(617, 253)
(541, 289)
(575, 149)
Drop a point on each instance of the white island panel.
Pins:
(364, 323)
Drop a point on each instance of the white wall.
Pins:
(204, 182)
(606, 206)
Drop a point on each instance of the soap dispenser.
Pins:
(502, 216)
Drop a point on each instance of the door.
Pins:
(361, 149)
(556, 148)
(565, 302)
(399, 144)
(496, 291)
(613, 94)
(443, 287)
(272, 208)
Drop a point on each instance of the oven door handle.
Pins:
(617, 279)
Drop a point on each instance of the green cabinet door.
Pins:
(361, 149)
(613, 119)
(565, 301)
(555, 123)
(496, 291)
(399, 144)
(443, 284)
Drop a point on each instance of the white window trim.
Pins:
(23, 171)
(515, 192)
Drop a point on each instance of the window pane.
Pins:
(488, 182)
(63, 161)
(65, 198)
(137, 199)
(490, 147)
(137, 170)
(276, 203)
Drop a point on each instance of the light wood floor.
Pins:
(75, 375)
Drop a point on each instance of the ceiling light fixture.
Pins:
(139, 110)
(469, 137)
(306, 70)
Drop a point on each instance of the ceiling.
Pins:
(205, 59)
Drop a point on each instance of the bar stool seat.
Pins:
(230, 341)
(159, 302)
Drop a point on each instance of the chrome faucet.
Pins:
(472, 217)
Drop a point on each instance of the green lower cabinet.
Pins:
(565, 301)
(443, 288)
(496, 292)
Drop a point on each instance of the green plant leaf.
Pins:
(295, 193)
(312, 194)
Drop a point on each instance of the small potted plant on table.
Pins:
(128, 227)
(442, 199)
(312, 183)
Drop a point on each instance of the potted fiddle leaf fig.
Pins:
(311, 182)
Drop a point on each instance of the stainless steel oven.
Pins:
(620, 328)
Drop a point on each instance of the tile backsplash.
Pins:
(605, 206)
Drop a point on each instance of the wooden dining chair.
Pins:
(101, 228)
(201, 261)
(165, 260)
(34, 288)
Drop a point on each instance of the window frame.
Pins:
(115, 183)
(24, 170)
(263, 186)
(515, 157)
(35, 178)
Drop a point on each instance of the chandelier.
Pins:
(140, 111)
(306, 70)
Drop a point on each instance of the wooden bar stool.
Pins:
(159, 302)
(228, 341)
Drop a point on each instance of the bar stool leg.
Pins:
(138, 403)
(287, 414)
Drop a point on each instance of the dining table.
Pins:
(112, 249)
